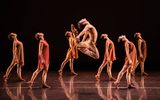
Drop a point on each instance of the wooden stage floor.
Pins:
(80, 87)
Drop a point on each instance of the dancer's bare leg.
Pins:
(109, 71)
(62, 66)
(134, 69)
(97, 76)
(71, 66)
(89, 49)
(142, 69)
(120, 74)
(19, 67)
(34, 76)
(5, 77)
(128, 77)
(44, 76)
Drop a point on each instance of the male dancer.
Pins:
(88, 43)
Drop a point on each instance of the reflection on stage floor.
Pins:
(80, 87)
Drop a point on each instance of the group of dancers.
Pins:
(85, 42)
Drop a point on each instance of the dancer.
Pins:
(18, 57)
(130, 61)
(109, 57)
(88, 43)
(142, 53)
(72, 53)
(43, 60)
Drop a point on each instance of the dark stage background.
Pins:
(26, 17)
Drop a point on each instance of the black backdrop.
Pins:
(53, 18)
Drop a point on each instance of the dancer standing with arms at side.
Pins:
(109, 57)
(142, 53)
(18, 57)
(130, 61)
(43, 60)
(72, 53)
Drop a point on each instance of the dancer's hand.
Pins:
(22, 63)
(77, 39)
(108, 60)
(141, 56)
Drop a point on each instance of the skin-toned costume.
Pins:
(72, 53)
(88, 44)
(43, 60)
(18, 57)
(109, 57)
(142, 53)
(130, 61)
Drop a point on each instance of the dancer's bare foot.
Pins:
(97, 77)
(5, 78)
(112, 79)
(30, 84)
(60, 72)
(130, 86)
(74, 73)
(144, 74)
(46, 86)
(116, 84)
(21, 79)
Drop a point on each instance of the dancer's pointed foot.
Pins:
(22, 79)
(60, 72)
(5, 78)
(30, 84)
(144, 74)
(97, 77)
(116, 84)
(46, 86)
(112, 79)
(130, 86)
(74, 73)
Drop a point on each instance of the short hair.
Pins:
(10, 35)
(135, 34)
(104, 35)
(38, 34)
(68, 32)
(121, 37)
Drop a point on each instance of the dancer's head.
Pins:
(104, 36)
(122, 38)
(82, 22)
(39, 36)
(74, 30)
(12, 36)
(68, 34)
(137, 35)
